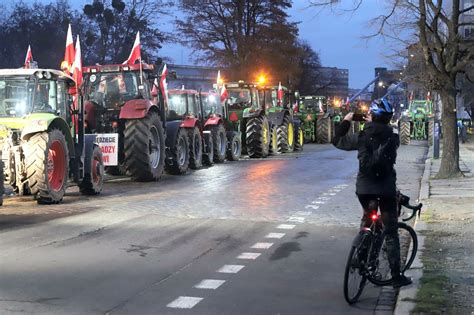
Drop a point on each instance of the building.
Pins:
(193, 77)
(333, 82)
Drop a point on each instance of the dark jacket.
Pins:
(373, 135)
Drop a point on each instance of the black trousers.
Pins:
(389, 213)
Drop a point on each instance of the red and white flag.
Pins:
(69, 54)
(224, 93)
(280, 93)
(218, 78)
(428, 96)
(135, 54)
(164, 84)
(28, 58)
(77, 71)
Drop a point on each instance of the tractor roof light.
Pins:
(262, 79)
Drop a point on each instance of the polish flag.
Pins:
(218, 78)
(164, 84)
(428, 96)
(135, 54)
(77, 71)
(28, 58)
(67, 64)
(280, 93)
(224, 93)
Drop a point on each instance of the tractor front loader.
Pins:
(42, 136)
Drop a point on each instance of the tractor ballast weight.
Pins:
(122, 108)
(246, 114)
(42, 136)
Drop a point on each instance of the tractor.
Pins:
(129, 124)
(246, 112)
(190, 145)
(42, 136)
(285, 130)
(417, 122)
(308, 110)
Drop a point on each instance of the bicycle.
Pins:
(368, 255)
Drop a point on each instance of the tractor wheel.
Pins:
(47, 162)
(286, 135)
(219, 143)
(144, 147)
(430, 132)
(404, 132)
(179, 154)
(208, 157)
(195, 148)
(234, 150)
(93, 181)
(299, 141)
(258, 137)
(274, 141)
(324, 132)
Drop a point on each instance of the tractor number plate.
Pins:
(108, 143)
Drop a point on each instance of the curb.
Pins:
(406, 297)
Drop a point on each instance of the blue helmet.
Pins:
(381, 108)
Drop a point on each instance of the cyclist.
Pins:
(377, 141)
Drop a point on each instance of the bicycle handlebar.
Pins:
(415, 209)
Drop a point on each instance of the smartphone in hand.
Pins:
(359, 117)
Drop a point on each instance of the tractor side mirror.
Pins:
(172, 74)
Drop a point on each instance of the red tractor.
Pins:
(190, 145)
(128, 121)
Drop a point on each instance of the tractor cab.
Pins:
(243, 96)
(33, 93)
(314, 104)
(183, 104)
(419, 109)
(211, 104)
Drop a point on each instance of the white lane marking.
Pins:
(334, 190)
(311, 207)
(185, 302)
(318, 202)
(331, 194)
(296, 219)
(251, 256)
(324, 198)
(275, 235)
(210, 284)
(303, 212)
(262, 245)
(286, 226)
(230, 268)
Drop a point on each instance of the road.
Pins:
(250, 237)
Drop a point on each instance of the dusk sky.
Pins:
(337, 36)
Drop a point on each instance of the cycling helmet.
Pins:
(381, 107)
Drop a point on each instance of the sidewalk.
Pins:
(443, 273)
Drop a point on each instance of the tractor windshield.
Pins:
(112, 89)
(239, 98)
(311, 104)
(211, 104)
(422, 107)
(20, 96)
(177, 106)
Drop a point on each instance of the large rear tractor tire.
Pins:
(286, 135)
(195, 148)
(324, 130)
(179, 154)
(144, 148)
(47, 163)
(94, 179)
(404, 132)
(219, 140)
(234, 151)
(299, 141)
(258, 137)
(208, 157)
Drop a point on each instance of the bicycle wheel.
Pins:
(355, 274)
(379, 268)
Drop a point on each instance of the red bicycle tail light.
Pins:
(374, 216)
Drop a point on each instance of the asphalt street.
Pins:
(266, 236)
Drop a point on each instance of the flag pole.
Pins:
(141, 71)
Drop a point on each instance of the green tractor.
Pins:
(285, 129)
(246, 115)
(42, 136)
(417, 122)
(308, 110)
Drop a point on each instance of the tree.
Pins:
(113, 24)
(245, 36)
(42, 26)
(445, 52)
(310, 78)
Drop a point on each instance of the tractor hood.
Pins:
(28, 124)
